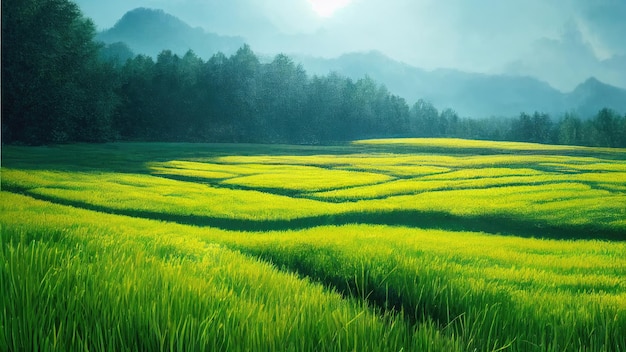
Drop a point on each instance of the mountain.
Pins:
(149, 31)
(593, 95)
(471, 94)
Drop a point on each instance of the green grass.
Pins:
(74, 279)
(380, 245)
(478, 287)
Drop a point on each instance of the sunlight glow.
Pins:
(326, 8)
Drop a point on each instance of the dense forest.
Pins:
(59, 85)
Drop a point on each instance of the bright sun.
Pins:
(326, 8)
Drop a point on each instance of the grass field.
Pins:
(380, 245)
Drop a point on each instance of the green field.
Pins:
(378, 245)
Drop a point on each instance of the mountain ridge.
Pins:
(149, 31)
(472, 94)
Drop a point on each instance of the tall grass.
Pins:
(98, 251)
(72, 275)
(487, 290)
(90, 281)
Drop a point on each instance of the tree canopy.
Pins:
(54, 88)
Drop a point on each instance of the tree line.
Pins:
(59, 86)
(240, 99)
(607, 128)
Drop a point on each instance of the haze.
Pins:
(562, 42)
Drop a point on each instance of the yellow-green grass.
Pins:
(614, 182)
(555, 204)
(437, 165)
(179, 167)
(440, 183)
(117, 280)
(78, 277)
(216, 171)
(73, 279)
(530, 294)
(388, 164)
(145, 194)
(592, 166)
(461, 144)
(484, 172)
(559, 204)
(193, 170)
(548, 190)
(306, 179)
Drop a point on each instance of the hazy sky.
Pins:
(560, 41)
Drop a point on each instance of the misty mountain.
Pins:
(149, 31)
(592, 95)
(471, 94)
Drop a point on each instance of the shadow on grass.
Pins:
(132, 157)
(417, 297)
(421, 295)
(409, 218)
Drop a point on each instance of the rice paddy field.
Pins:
(377, 245)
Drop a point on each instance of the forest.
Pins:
(60, 86)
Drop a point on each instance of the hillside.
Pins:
(149, 31)
(592, 95)
(472, 94)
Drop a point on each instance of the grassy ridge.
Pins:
(382, 246)
(544, 210)
(539, 195)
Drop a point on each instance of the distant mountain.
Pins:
(592, 95)
(471, 94)
(149, 31)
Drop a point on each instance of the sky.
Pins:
(562, 42)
